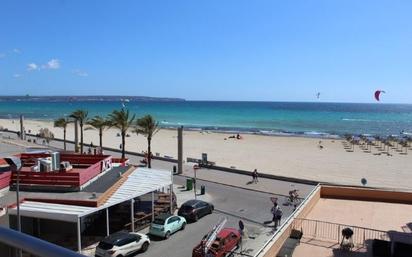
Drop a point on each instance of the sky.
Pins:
(209, 49)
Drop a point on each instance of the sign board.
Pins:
(204, 157)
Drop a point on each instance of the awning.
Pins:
(141, 181)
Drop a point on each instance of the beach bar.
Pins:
(48, 217)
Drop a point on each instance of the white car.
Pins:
(122, 244)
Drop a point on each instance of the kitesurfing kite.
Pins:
(318, 95)
(378, 94)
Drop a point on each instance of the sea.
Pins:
(267, 118)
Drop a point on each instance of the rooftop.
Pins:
(374, 215)
(331, 215)
(71, 206)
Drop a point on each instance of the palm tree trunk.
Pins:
(149, 153)
(123, 144)
(101, 138)
(81, 138)
(64, 139)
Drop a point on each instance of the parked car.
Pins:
(166, 224)
(227, 240)
(121, 244)
(195, 209)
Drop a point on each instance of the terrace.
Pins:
(84, 169)
(380, 221)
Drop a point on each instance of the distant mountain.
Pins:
(93, 98)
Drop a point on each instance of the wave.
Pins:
(362, 120)
(252, 131)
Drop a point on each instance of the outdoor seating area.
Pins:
(143, 209)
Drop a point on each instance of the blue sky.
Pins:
(209, 50)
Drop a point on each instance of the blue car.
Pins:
(166, 224)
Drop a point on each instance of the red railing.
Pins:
(47, 178)
(5, 179)
(73, 178)
(92, 171)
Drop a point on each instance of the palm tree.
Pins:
(122, 121)
(99, 123)
(81, 117)
(148, 127)
(62, 123)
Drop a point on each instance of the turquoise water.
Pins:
(279, 118)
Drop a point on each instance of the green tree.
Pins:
(81, 117)
(62, 123)
(148, 127)
(99, 123)
(122, 121)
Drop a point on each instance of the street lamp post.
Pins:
(195, 169)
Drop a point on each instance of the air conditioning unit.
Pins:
(65, 166)
(45, 165)
(35, 168)
(55, 157)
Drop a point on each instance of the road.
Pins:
(235, 204)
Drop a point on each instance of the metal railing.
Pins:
(33, 245)
(333, 232)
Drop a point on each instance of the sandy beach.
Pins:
(285, 156)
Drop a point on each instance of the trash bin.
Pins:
(174, 169)
(202, 189)
(189, 184)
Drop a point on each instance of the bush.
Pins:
(46, 134)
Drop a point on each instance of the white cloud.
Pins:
(16, 50)
(16, 75)
(2, 55)
(80, 73)
(32, 66)
(53, 64)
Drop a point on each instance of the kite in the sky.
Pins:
(378, 94)
(318, 95)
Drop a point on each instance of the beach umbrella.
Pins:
(378, 94)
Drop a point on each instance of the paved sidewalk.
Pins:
(264, 185)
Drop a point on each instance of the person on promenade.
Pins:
(255, 176)
(293, 196)
(277, 215)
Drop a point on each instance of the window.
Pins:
(124, 241)
(171, 220)
(105, 246)
(159, 221)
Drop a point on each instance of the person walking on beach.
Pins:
(255, 176)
